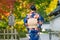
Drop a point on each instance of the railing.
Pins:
(6, 34)
(56, 33)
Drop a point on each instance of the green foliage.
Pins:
(3, 24)
(22, 34)
(40, 4)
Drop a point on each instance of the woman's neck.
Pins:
(32, 12)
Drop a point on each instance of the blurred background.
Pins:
(49, 9)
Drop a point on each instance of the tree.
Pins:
(5, 7)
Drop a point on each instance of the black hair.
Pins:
(33, 8)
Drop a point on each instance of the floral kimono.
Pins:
(33, 25)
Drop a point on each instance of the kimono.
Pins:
(33, 32)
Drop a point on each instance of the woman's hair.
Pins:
(33, 8)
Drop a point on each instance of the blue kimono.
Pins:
(34, 33)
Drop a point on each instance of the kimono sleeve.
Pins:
(25, 20)
(40, 19)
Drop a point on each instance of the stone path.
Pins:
(43, 37)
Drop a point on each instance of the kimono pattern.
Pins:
(33, 33)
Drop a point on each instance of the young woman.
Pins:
(33, 22)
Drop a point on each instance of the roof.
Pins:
(55, 12)
(57, 9)
(55, 17)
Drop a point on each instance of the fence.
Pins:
(6, 34)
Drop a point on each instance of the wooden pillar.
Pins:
(4, 34)
(15, 34)
(7, 34)
(11, 33)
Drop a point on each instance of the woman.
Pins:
(33, 22)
